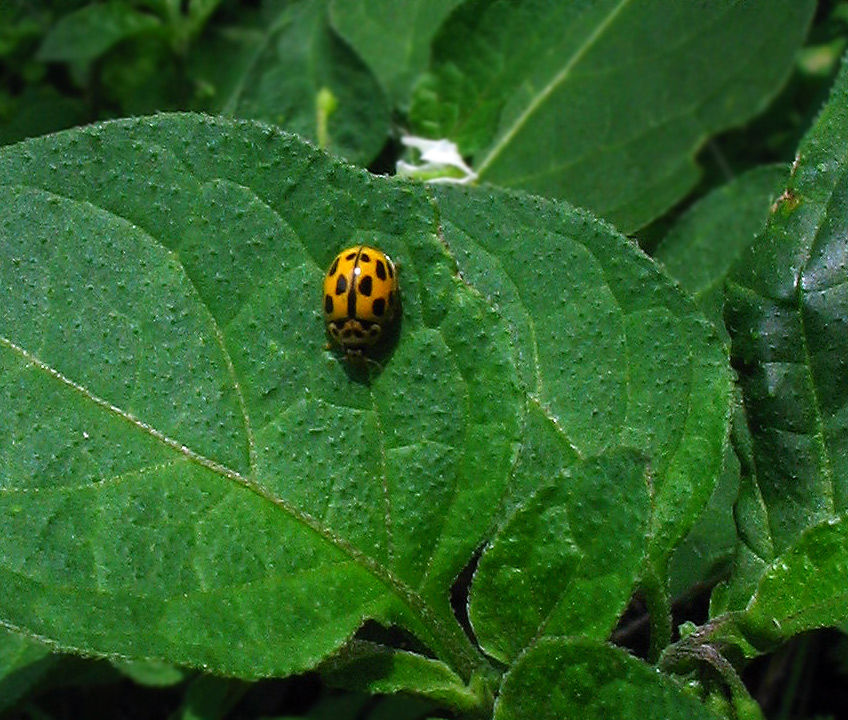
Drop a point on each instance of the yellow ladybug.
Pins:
(360, 299)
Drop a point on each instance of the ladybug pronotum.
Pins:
(360, 299)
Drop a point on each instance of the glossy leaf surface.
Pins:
(788, 314)
(803, 589)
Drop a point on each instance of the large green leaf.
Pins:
(392, 37)
(186, 474)
(566, 562)
(281, 70)
(788, 314)
(603, 102)
(562, 678)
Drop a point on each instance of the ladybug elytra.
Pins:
(360, 298)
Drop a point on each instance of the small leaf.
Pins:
(150, 672)
(392, 37)
(562, 678)
(285, 66)
(603, 103)
(88, 33)
(23, 663)
(756, 547)
(803, 589)
(375, 669)
(566, 562)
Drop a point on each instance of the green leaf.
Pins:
(150, 672)
(787, 311)
(756, 547)
(393, 38)
(603, 103)
(561, 678)
(211, 698)
(375, 669)
(87, 33)
(185, 472)
(285, 66)
(804, 588)
(39, 110)
(23, 663)
(703, 245)
(611, 352)
(708, 550)
(567, 561)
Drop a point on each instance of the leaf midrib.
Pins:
(460, 654)
(548, 90)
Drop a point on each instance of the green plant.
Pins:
(190, 480)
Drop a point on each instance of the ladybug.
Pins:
(360, 299)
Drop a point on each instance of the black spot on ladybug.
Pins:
(381, 270)
(379, 307)
(341, 285)
(350, 256)
(328, 304)
(365, 286)
(333, 268)
(364, 258)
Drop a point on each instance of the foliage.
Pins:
(198, 495)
